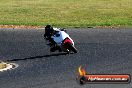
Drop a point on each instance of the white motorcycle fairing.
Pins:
(60, 36)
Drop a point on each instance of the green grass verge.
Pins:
(66, 13)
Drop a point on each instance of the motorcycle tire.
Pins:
(72, 48)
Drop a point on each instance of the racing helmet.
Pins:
(48, 29)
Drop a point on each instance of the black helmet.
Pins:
(49, 28)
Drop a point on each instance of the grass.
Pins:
(66, 13)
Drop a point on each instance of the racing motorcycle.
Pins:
(64, 41)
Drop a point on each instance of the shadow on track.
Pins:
(36, 57)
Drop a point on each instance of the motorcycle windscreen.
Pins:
(59, 37)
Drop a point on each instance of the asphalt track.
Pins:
(101, 51)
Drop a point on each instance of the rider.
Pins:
(49, 32)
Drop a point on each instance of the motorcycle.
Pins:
(64, 41)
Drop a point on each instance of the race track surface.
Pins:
(101, 51)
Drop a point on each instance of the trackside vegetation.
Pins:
(66, 13)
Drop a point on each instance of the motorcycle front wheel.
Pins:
(71, 47)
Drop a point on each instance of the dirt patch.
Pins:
(2, 65)
(20, 27)
(7, 66)
(117, 27)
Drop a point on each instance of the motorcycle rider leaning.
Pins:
(49, 32)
